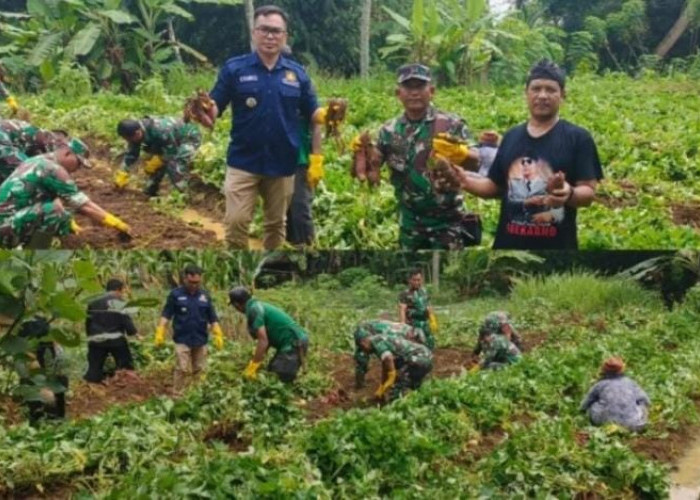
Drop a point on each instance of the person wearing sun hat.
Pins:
(41, 197)
(616, 398)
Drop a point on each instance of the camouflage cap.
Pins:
(361, 332)
(413, 72)
(494, 321)
(80, 149)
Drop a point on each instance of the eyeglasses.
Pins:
(270, 30)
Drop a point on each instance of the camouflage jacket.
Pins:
(27, 138)
(500, 350)
(38, 180)
(405, 146)
(388, 328)
(403, 351)
(161, 136)
(21, 133)
(417, 303)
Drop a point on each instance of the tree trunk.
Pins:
(436, 270)
(676, 30)
(365, 20)
(173, 40)
(249, 10)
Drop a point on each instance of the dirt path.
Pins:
(124, 387)
(687, 214)
(150, 228)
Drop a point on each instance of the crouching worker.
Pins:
(40, 197)
(404, 363)
(171, 145)
(271, 327)
(497, 323)
(616, 398)
(381, 327)
(50, 400)
(107, 327)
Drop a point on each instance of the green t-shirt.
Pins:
(283, 332)
(304, 144)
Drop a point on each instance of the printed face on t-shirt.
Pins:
(527, 201)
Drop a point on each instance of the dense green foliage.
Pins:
(501, 434)
(120, 41)
(649, 149)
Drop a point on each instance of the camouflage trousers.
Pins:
(452, 231)
(425, 326)
(409, 376)
(10, 156)
(18, 228)
(176, 167)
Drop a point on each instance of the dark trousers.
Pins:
(300, 224)
(286, 364)
(39, 410)
(409, 376)
(97, 355)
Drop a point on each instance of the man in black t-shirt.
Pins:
(533, 217)
(107, 326)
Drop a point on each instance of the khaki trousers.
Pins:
(241, 189)
(190, 362)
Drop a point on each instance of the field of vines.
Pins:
(515, 433)
(646, 130)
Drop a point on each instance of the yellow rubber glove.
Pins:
(74, 227)
(218, 337)
(356, 143)
(251, 371)
(433, 323)
(475, 368)
(121, 179)
(153, 164)
(115, 222)
(456, 153)
(391, 378)
(12, 103)
(315, 172)
(160, 335)
(321, 115)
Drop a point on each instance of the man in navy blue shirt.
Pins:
(191, 310)
(270, 97)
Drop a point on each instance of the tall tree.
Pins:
(365, 20)
(690, 15)
(249, 11)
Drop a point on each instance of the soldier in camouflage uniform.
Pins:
(415, 309)
(498, 341)
(427, 220)
(19, 140)
(497, 323)
(33, 196)
(381, 327)
(499, 352)
(172, 144)
(404, 363)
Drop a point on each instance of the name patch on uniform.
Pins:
(182, 298)
(248, 78)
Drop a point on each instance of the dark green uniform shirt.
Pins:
(283, 332)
